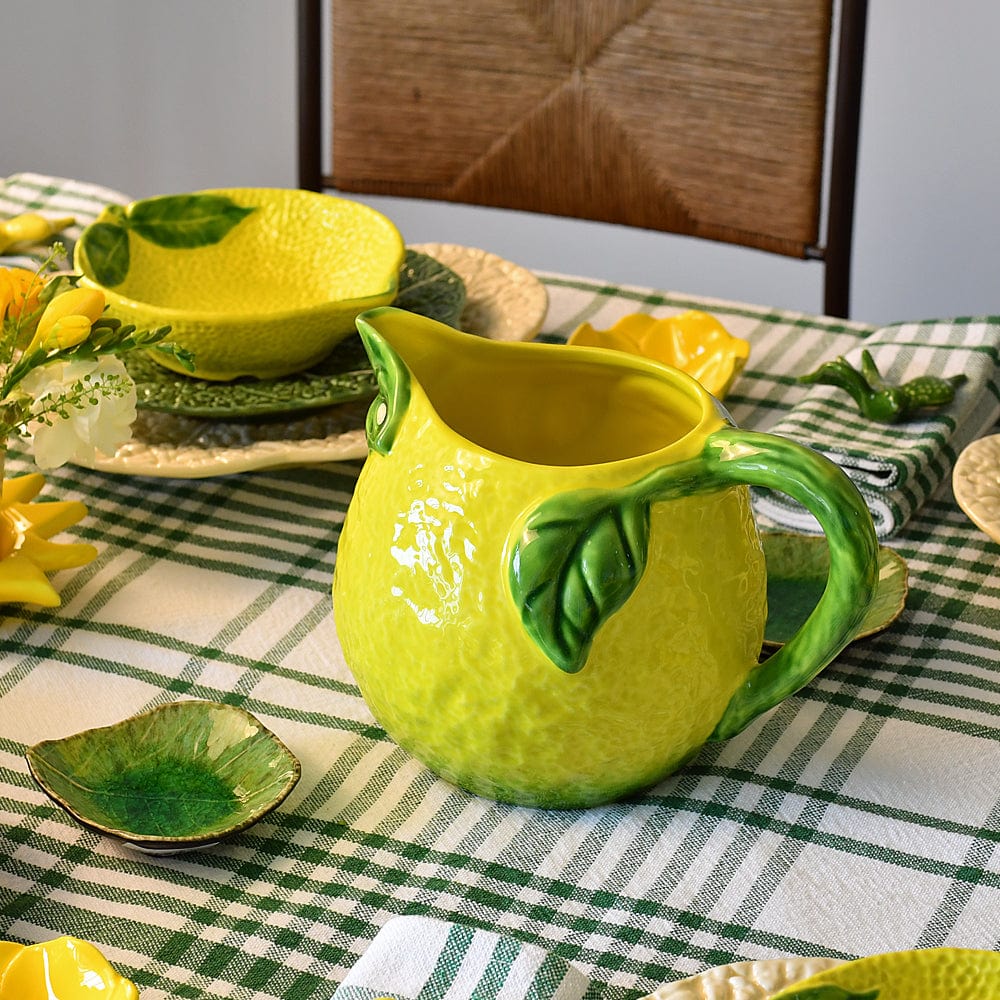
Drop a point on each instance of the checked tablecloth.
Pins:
(862, 815)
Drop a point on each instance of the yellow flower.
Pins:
(694, 341)
(19, 291)
(67, 319)
(26, 553)
(66, 332)
(63, 969)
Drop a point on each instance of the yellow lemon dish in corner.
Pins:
(694, 341)
(65, 968)
(920, 974)
(252, 281)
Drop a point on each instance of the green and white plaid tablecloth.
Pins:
(862, 815)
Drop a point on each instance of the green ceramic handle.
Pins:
(734, 457)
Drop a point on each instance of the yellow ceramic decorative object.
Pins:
(919, 974)
(65, 968)
(28, 228)
(694, 341)
(549, 585)
(253, 281)
(26, 554)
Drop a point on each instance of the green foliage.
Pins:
(21, 354)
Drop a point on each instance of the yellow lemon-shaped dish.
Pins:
(63, 969)
(252, 281)
(694, 341)
(919, 974)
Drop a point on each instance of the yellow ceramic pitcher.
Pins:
(549, 585)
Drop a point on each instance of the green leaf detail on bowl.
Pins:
(425, 285)
(179, 776)
(184, 221)
(106, 253)
(579, 557)
(174, 221)
(797, 568)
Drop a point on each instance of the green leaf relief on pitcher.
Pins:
(577, 562)
(389, 407)
(580, 555)
(175, 222)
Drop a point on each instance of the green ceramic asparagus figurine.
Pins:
(876, 398)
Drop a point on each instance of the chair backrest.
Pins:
(707, 119)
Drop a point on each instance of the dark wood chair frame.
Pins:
(835, 252)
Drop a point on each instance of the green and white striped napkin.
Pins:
(420, 958)
(898, 466)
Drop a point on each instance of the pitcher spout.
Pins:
(546, 404)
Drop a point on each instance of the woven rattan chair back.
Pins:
(707, 119)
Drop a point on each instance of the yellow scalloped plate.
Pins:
(976, 482)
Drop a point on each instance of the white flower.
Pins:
(79, 408)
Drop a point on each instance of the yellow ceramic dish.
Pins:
(26, 554)
(694, 341)
(63, 969)
(252, 281)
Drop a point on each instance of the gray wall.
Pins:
(149, 98)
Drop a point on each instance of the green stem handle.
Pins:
(578, 557)
(746, 457)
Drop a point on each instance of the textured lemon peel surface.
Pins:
(743, 980)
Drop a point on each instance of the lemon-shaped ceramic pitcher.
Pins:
(549, 585)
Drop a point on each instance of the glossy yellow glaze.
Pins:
(28, 228)
(65, 968)
(26, 554)
(273, 296)
(421, 594)
(694, 341)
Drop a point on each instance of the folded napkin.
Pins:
(897, 467)
(419, 958)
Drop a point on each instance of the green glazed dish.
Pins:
(179, 777)
(797, 569)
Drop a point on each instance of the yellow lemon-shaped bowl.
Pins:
(252, 281)
(694, 341)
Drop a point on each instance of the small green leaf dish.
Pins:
(426, 286)
(180, 777)
(797, 567)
